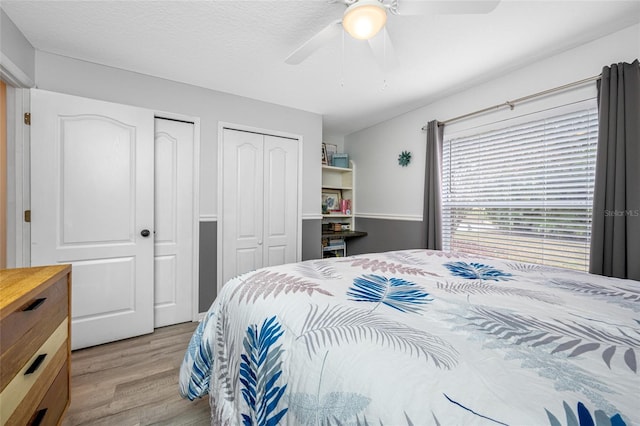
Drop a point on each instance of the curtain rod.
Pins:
(512, 104)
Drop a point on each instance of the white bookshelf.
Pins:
(342, 180)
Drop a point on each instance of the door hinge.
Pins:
(27, 118)
(27, 215)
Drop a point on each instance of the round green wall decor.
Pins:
(404, 158)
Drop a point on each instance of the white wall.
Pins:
(62, 74)
(335, 140)
(17, 56)
(387, 190)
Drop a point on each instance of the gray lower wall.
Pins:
(208, 273)
(311, 239)
(385, 235)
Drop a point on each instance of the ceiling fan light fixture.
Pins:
(364, 19)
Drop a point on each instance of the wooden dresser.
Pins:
(35, 344)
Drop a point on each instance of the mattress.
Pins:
(418, 337)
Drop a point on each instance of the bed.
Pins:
(418, 337)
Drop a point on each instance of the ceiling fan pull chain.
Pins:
(384, 51)
(342, 63)
(385, 67)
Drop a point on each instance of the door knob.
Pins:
(145, 233)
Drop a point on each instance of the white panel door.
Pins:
(260, 214)
(174, 215)
(91, 203)
(242, 210)
(280, 200)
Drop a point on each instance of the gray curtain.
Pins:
(615, 232)
(432, 213)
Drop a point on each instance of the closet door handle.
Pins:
(145, 233)
(35, 364)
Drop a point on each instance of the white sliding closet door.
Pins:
(280, 200)
(242, 203)
(174, 218)
(259, 203)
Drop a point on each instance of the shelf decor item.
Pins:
(324, 155)
(331, 199)
(404, 158)
(331, 151)
(340, 160)
(345, 206)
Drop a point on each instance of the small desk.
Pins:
(343, 234)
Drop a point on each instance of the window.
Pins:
(523, 193)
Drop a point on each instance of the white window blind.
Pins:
(524, 192)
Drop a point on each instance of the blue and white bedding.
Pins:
(418, 337)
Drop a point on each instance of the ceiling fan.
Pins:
(364, 19)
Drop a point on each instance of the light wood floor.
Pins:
(134, 382)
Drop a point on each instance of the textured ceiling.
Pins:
(239, 47)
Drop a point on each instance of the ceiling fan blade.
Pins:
(314, 43)
(443, 7)
(383, 50)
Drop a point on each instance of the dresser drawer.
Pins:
(24, 330)
(22, 396)
(54, 402)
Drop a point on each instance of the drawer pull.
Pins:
(35, 364)
(34, 305)
(38, 417)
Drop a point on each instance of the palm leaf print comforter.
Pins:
(418, 337)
